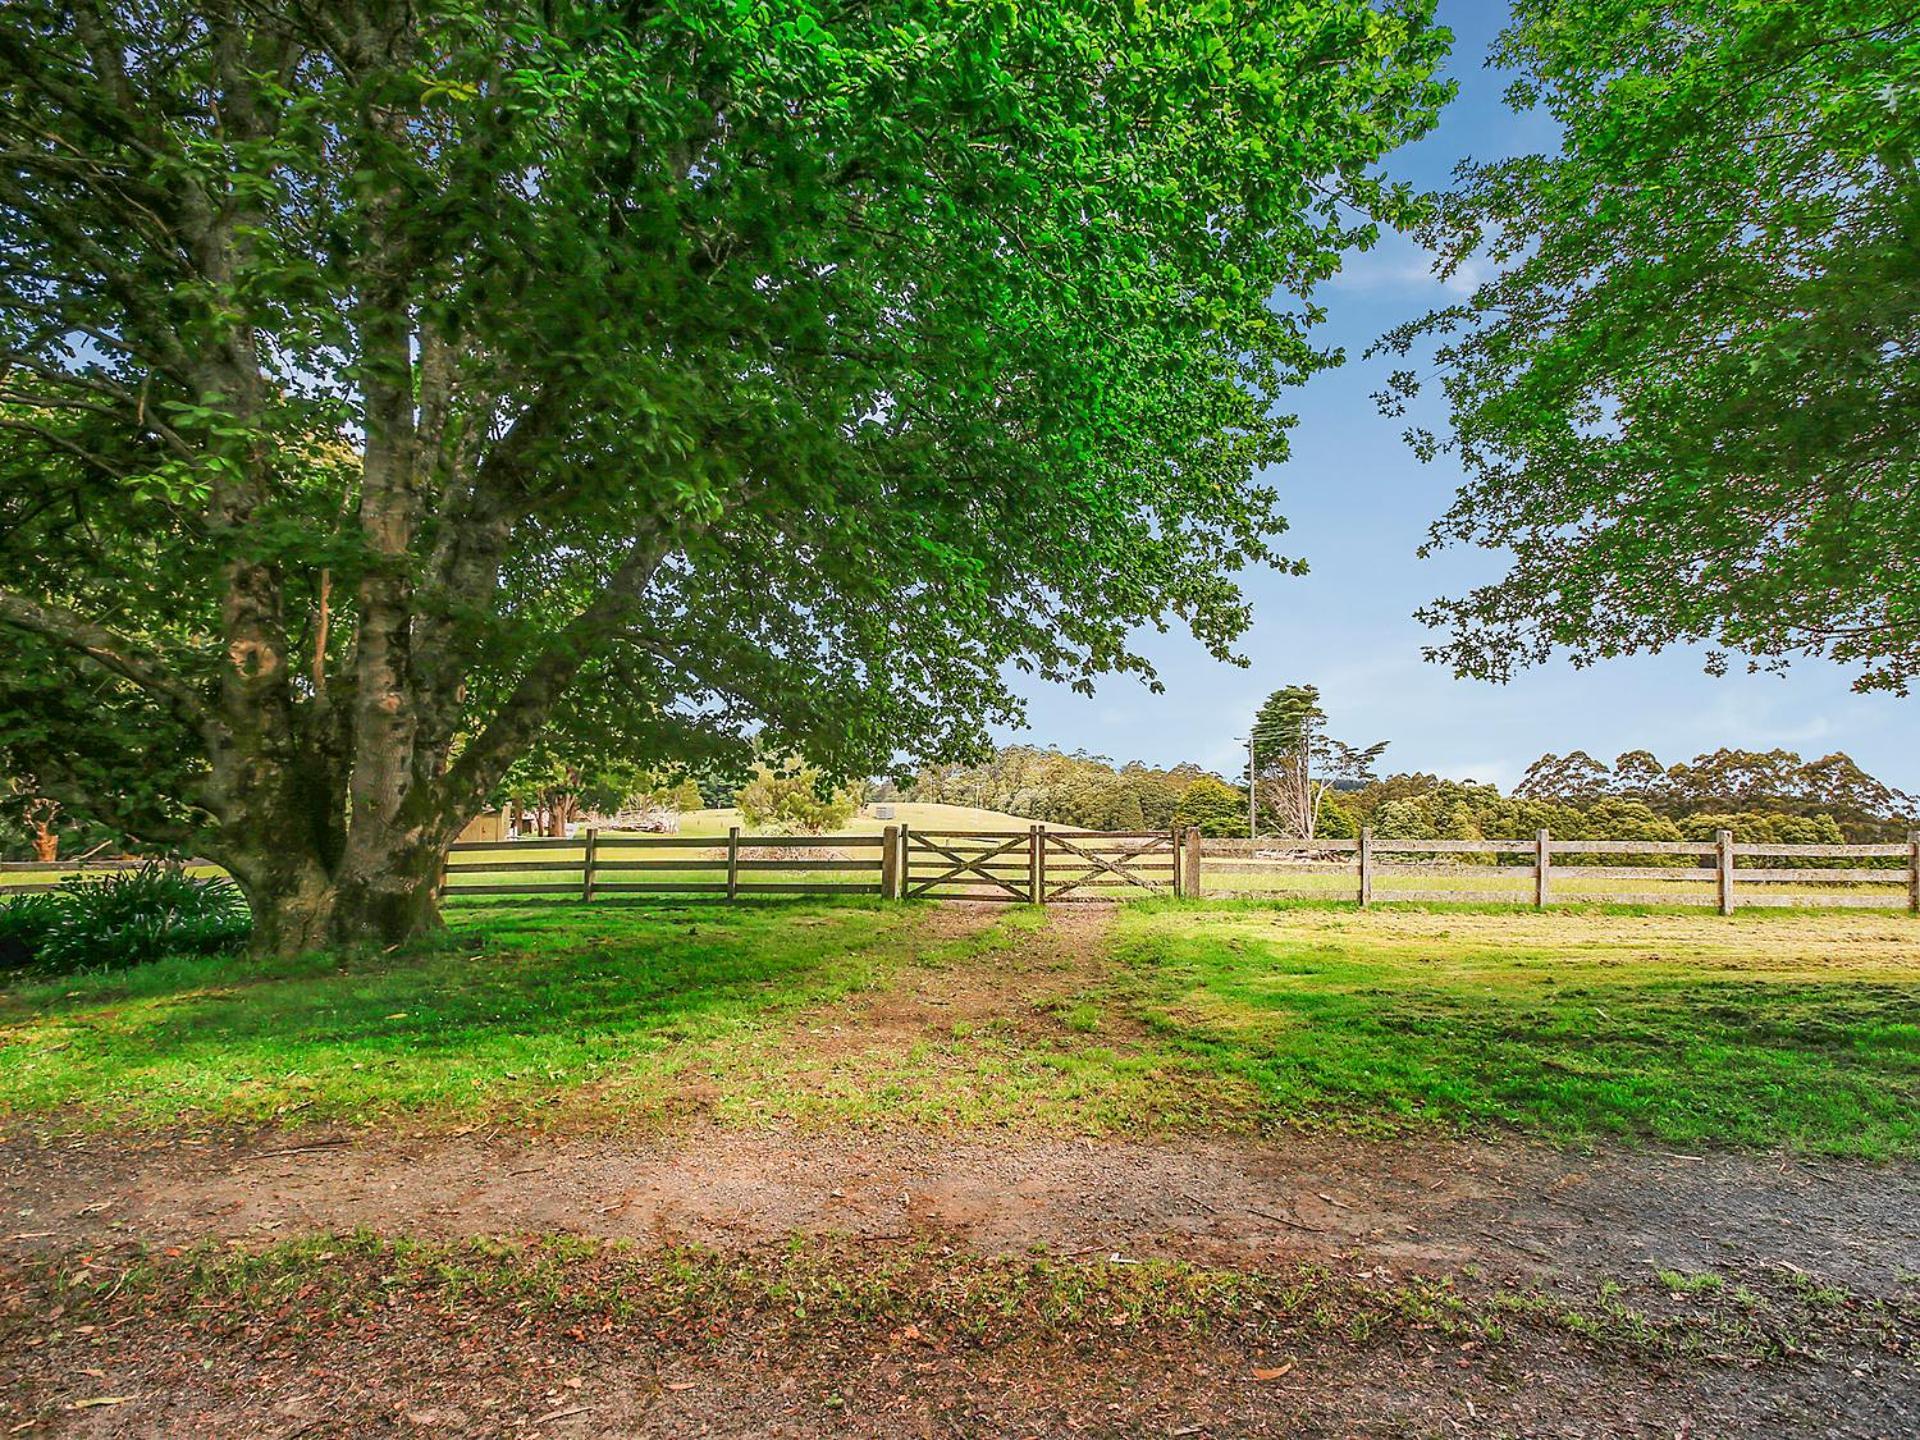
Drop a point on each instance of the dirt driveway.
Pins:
(1830, 1249)
(1511, 1207)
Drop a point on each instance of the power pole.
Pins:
(1252, 784)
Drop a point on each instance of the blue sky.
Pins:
(1359, 503)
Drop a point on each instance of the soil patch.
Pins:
(1516, 1207)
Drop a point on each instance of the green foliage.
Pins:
(690, 378)
(1297, 764)
(1684, 404)
(1085, 791)
(797, 798)
(25, 922)
(1831, 789)
(125, 917)
(1337, 820)
(1770, 797)
(1404, 820)
(1219, 810)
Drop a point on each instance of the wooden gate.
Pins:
(1036, 866)
(968, 864)
(1074, 862)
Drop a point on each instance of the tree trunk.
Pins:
(384, 897)
(392, 902)
(291, 896)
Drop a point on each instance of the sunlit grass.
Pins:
(512, 1011)
(1769, 1029)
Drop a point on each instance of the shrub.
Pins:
(1214, 806)
(25, 921)
(124, 918)
(799, 800)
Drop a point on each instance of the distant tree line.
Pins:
(1762, 796)
(1088, 792)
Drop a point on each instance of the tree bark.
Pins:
(301, 905)
(391, 902)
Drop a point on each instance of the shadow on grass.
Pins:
(510, 1000)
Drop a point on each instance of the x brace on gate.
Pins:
(1113, 864)
(963, 862)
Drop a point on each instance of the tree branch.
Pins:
(124, 656)
(519, 716)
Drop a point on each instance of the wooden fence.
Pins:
(593, 866)
(1035, 865)
(1039, 865)
(23, 877)
(1722, 874)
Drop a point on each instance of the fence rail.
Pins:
(1374, 869)
(1044, 866)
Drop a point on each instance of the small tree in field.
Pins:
(1214, 807)
(1296, 763)
(797, 800)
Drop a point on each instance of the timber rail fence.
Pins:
(1723, 874)
(1047, 866)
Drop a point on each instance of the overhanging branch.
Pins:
(122, 655)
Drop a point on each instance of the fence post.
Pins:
(1913, 872)
(890, 863)
(1193, 838)
(586, 868)
(1179, 835)
(906, 863)
(1542, 863)
(1035, 894)
(1723, 853)
(1366, 866)
(1040, 860)
(733, 862)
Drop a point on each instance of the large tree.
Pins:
(1686, 402)
(385, 384)
(1295, 764)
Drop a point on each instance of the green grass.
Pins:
(1770, 1029)
(511, 1012)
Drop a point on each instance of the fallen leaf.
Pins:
(99, 1400)
(1273, 1374)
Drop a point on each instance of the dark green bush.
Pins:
(25, 922)
(123, 918)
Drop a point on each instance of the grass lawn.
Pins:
(1768, 1028)
(510, 1012)
(1800, 1030)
